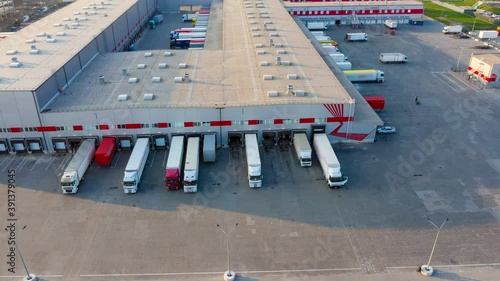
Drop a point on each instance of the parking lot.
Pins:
(442, 163)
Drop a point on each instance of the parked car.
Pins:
(386, 130)
(461, 35)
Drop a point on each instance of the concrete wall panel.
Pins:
(72, 68)
(88, 53)
(47, 91)
(120, 30)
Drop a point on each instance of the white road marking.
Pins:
(153, 160)
(4, 160)
(164, 159)
(50, 162)
(8, 164)
(117, 158)
(447, 266)
(36, 163)
(444, 78)
(19, 276)
(20, 165)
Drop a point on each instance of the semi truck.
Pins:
(253, 161)
(189, 35)
(487, 34)
(179, 43)
(452, 29)
(192, 165)
(339, 57)
(105, 151)
(174, 163)
(356, 37)
(391, 24)
(393, 57)
(75, 171)
(366, 75)
(209, 148)
(329, 162)
(316, 25)
(303, 149)
(188, 17)
(135, 166)
(344, 65)
(376, 102)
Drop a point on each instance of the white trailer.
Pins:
(318, 33)
(393, 57)
(253, 161)
(339, 57)
(192, 165)
(188, 17)
(323, 38)
(330, 49)
(329, 162)
(392, 24)
(365, 75)
(452, 29)
(356, 37)
(209, 148)
(75, 171)
(135, 166)
(344, 65)
(303, 149)
(316, 25)
(487, 34)
(190, 35)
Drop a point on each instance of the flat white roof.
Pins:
(490, 59)
(37, 68)
(234, 76)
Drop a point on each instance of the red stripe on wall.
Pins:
(78, 128)
(133, 126)
(46, 129)
(104, 127)
(253, 122)
(188, 124)
(306, 120)
(15, 130)
(339, 119)
(162, 125)
(221, 123)
(278, 121)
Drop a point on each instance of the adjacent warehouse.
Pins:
(486, 68)
(61, 88)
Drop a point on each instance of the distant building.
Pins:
(486, 68)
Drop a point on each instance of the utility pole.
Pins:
(29, 276)
(228, 275)
(426, 269)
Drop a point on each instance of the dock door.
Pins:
(125, 142)
(235, 139)
(317, 129)
(60, 145)
(18, 145)
(35, 145)
(4, 146)
(284, 137)
(269, 138)
(160, 142)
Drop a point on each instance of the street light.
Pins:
(474, 25)
(228, 275)
(426, 269)
(459, 56)
(28, 277)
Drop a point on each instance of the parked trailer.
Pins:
(330, 49)
(323, 38)
(356, 37)
(189, 35)
(318, 33)
(188, 17)
(316, 25)
(339, 57)
(366, 75)
(329, 162)
(179, 43)
(392, 24)
(344, 65)
(106, 151)
(393, 57)
(75, 171)
(487, 34)
(192, 165)
(452, 29)
(302, 149)
(376, 102)
(135, 166)
(209, 148)
(253, 161)
(174, 163)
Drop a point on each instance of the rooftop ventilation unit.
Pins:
(249, 13)
(264, 63)
(264, 16)
(289, 90)
(273, 34)
(251, 17)
(292, 76)
(11, 52)
(162, 65)
(102, 80)
(178, 79)
(75, 24)
(85, 8)
(268, 22)
(76, 13)
(56, 25)
(255, 34)
(248, 6)
(41, 34)
(261, 52)
(299, 93)
(133, 80)
(51, 40)
(122, 97)
(92, 4)
(92, 13)
(267, 77)
(255, 29)
(104, 3)
(124, 72)
(99, 7)
(259, 45)
(62, 33)
(270, 28)
(66, 19)
(34, 51)
(253, 22)
(285, 62)
(278, 45)
(167, 54)
(182, 65)
(29, 41)
(15, 62)
(281, 52)
(141, 66)
(83, 19)
(259, 6)
(148, 54)
(156, 79)
(272, 93)
(148, 96)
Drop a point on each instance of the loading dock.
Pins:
(96, 139)
(317, 129)
(35, 145)
(125, 142)
(269, 138)
(60, 145)
(301, 131)
(284, 137)
(18, 145)
(150, 137)
(160, 142)
(235, 139)
(74, 143)
(4, 146)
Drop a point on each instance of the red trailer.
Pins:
(105, 151)
(376, 102)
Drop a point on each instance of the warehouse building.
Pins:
(485, 68)
(64, 79)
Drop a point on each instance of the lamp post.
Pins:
(459, 56)
(426, 269)
(228, 275)
(474, 25)
(29, 276)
